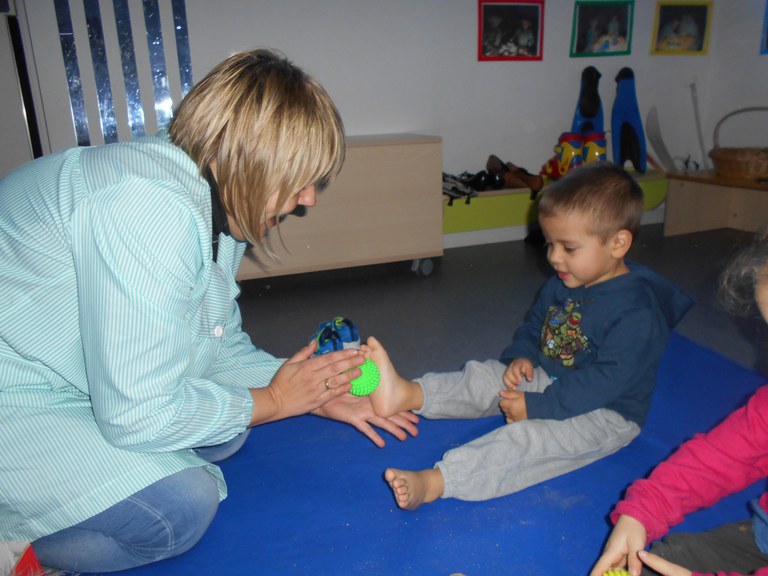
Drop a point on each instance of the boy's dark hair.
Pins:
(603, 191)
(747, 269)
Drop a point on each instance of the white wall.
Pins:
(411, 65)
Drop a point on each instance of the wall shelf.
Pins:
(514, 207)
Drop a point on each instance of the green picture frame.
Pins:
(602, 28)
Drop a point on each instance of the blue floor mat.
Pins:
(307, 495)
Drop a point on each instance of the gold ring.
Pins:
(327, 386)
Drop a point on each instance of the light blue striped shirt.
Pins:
(120, 339)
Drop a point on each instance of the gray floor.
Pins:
(470, 305)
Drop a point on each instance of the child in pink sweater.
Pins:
(705, 469)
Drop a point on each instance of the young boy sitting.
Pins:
(576, 383)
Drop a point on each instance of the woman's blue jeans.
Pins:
(163, 520)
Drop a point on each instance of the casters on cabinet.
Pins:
(422, 266)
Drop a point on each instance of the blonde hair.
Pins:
(267, 127)
(603, 191)
(748, 268)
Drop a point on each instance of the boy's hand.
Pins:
(512, 404)
(519, 368)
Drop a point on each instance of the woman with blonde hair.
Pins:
(124, 371)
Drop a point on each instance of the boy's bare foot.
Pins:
(412, 489)
(394, 394)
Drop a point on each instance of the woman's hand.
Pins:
(625, 542)
(519, 368)
(303, 384)
(358, 411)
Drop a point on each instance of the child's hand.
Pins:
(512, 404)
(623, 548)
(519, 368)
(663, 567)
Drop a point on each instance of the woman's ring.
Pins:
(327, 386)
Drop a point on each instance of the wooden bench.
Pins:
(698, 201)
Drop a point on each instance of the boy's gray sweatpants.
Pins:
(517, 455)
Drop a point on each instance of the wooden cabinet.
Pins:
(385, 206)
(700, 201)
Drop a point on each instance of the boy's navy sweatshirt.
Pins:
(600, 345)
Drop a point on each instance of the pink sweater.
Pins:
(705, 469)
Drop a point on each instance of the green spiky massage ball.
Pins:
(617, 572)
(368, 381)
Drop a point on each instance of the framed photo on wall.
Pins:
(602, 28)
(764, 41)
(510, 30)
(681, 27)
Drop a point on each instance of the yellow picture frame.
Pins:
(681, 28)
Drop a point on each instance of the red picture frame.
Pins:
(510, 30)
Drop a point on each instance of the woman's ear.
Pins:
(621, 243)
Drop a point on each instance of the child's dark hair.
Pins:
(739, 280)
(603, 191)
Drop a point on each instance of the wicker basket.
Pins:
(740, 163)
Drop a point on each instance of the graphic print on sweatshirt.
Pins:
(561, 335)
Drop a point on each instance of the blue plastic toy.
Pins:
(589, 109)
(626, 126)
(337, 334)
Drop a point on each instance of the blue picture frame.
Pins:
(764, 41)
